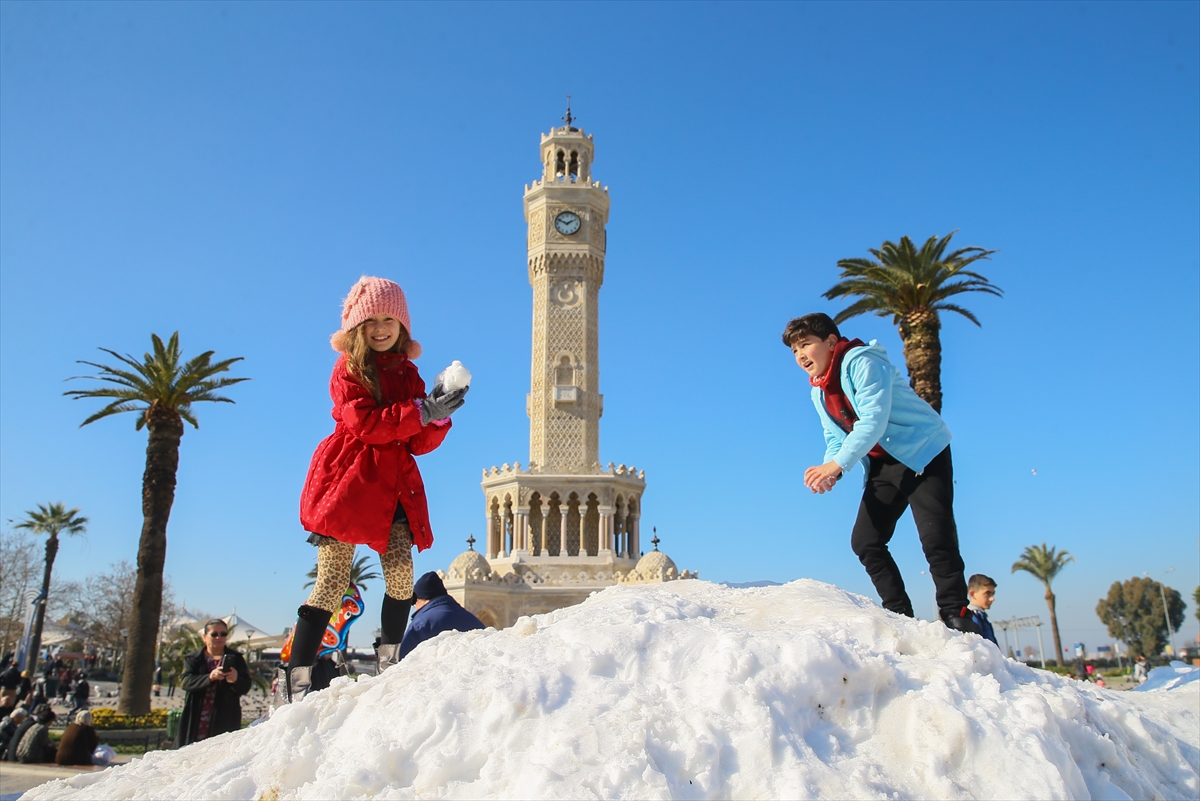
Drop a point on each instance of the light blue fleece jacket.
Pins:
(888, 410)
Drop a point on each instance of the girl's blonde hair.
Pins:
(360, 359)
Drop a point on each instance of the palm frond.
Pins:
(158, 380)
(53, 519)
(116, 407)
(862, 306)
(904, 279)
(956, 308)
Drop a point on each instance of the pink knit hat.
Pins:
(371, 296)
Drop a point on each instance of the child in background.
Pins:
(981, 592)
(871, 415)
(363, 486)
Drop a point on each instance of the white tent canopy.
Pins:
(243, 631)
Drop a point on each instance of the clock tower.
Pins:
(566, 212)
(564, 526)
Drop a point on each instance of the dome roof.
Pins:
(657, 563)
(466, 563)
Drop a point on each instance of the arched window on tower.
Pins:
(573, 171)
(560, 165)
(564, 373)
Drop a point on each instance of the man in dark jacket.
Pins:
(10, 680)
(9, 726)
(215, 679)
(435, 612)
(34, 733)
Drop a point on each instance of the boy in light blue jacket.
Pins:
(871, 416)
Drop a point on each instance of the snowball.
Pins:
(454, 377)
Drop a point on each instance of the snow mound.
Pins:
(1177, 675)
(694, 690)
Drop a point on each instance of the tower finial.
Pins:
(656, 540)
(470, 542)
(567, 118)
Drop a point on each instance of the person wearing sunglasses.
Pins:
(215, 678)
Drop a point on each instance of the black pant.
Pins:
(892, 488)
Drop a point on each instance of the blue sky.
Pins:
(228, 170)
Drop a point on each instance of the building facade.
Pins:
(564, 525)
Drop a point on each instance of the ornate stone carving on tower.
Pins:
(564, 526)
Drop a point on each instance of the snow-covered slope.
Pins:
(694, 690)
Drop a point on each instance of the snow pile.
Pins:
(1177, 675)
(694, 690)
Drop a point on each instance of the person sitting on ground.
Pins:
(9, 726)
(215, 679)
(435, 612)
(78, 741)
(981, 592)
(1140, 669)
(871, 416)
(10, 755)
(35, 745)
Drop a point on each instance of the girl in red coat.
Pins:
(363, 486)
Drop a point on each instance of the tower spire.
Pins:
(567, 118)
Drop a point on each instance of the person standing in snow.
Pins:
(363, 486)
(871, 415)
(981, 593)
(435, 612)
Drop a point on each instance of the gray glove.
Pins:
(441, 404)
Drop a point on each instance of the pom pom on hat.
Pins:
(371, 296)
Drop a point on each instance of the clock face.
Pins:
(566, 223)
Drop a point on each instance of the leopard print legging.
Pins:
(335, 558)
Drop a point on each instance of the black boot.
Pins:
(392, 625)
(960, 620)
(306, 641)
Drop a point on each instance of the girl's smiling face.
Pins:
(382, 331)
(814, 355)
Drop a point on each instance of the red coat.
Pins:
(366, 465)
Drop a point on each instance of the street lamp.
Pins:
(1166, 614)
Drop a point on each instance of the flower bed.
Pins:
(111, 719)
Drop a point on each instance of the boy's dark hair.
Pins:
(979, 582)
(817, 324)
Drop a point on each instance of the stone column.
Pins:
(606, 530)
(492, 546)
(562, 528)
(633, 523)
(521, 531)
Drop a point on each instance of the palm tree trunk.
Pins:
(1054, 627)
(923, 354)
(39, 619)
(158, 494)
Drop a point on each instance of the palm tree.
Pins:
(359, 574)
(1044, 564)
(912, 286)
(161, 390)
(50, 520)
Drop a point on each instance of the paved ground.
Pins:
(16, 778)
